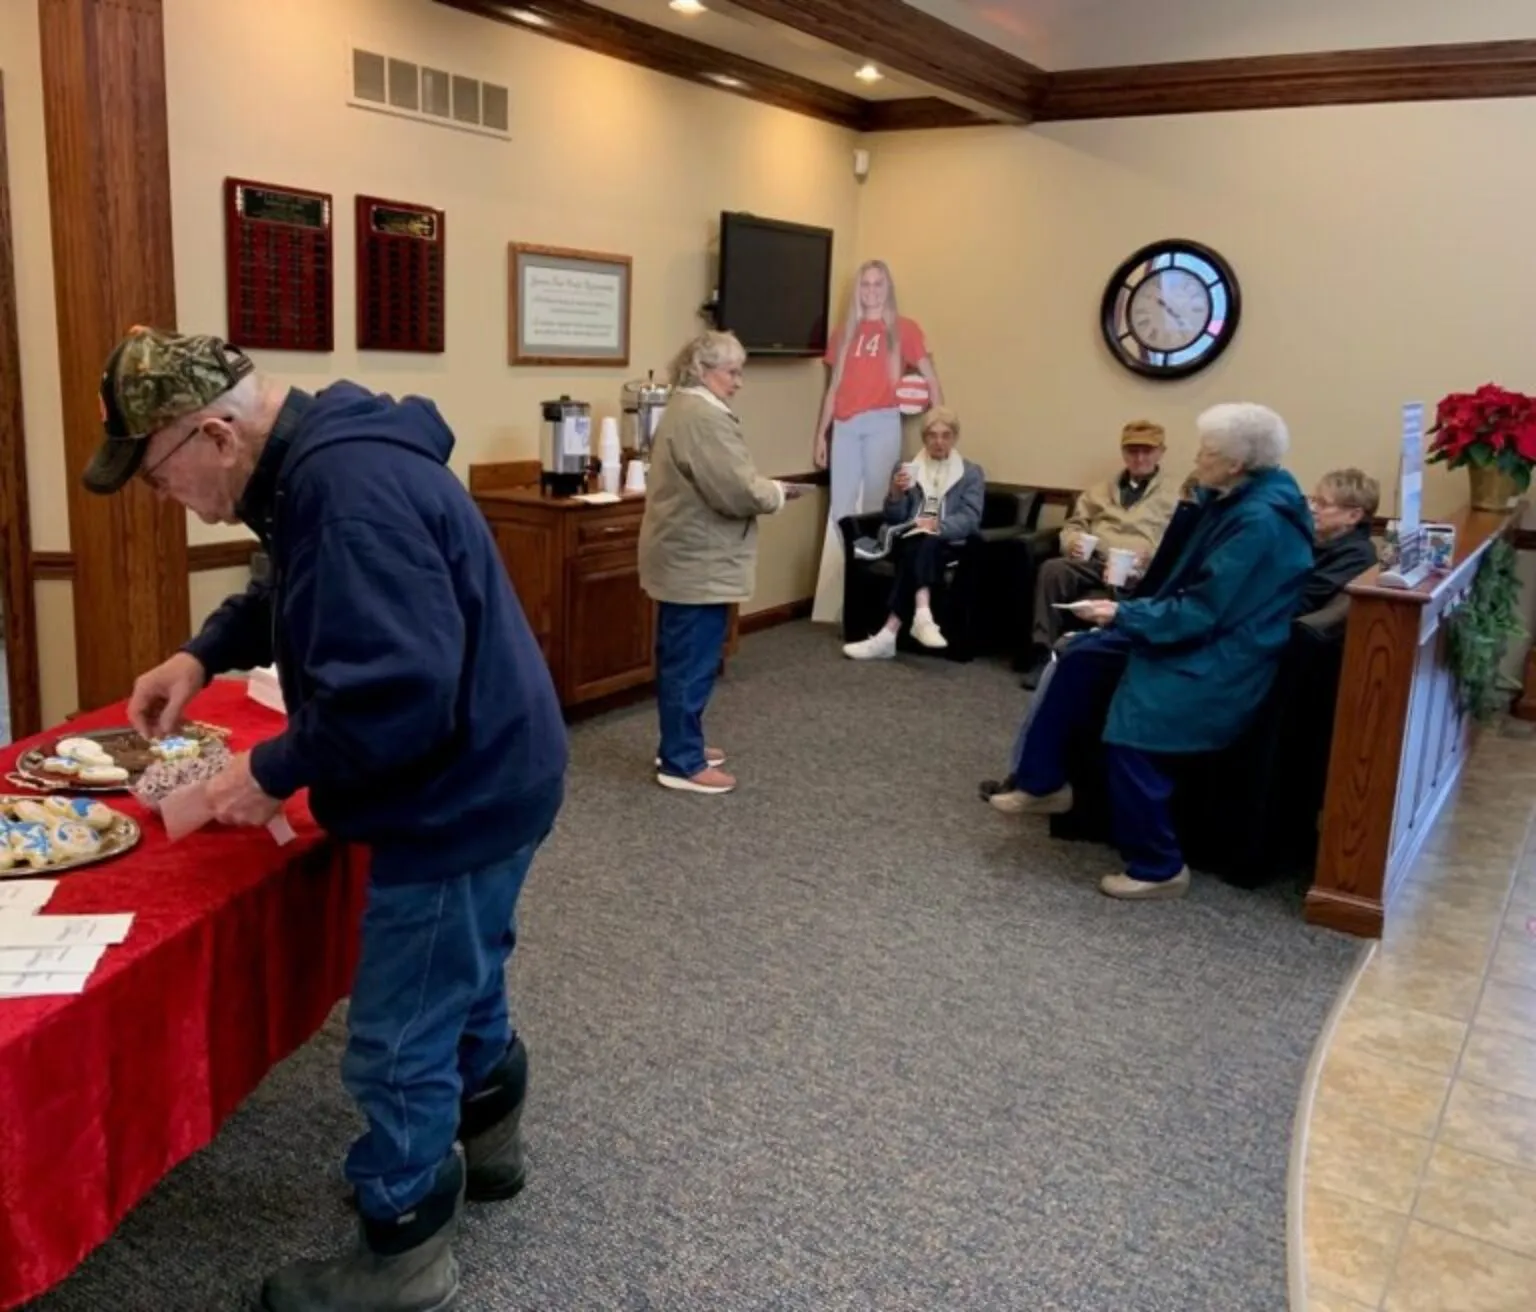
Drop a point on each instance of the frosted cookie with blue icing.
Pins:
(82, 809)
(73, 838)
(31, 844)
(176, 749)
(62, 765)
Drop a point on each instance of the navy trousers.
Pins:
(1071, 702)
(427, 1024)
(690, 642)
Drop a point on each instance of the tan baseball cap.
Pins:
(151, 379)
(1143, 432)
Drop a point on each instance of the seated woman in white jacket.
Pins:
(939, 498)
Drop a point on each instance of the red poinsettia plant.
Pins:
(1489, 427)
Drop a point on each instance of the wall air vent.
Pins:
(388, 84)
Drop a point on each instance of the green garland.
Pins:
(1481, 629)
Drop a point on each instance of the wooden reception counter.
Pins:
(1399, 735)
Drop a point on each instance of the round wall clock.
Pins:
(1170, 309)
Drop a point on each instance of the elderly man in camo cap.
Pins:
(421, 718)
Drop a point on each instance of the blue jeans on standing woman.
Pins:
(427, 1024)
(1074, 694)
(690, 642)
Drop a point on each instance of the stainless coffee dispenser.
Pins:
(566, 447)
(644, 401)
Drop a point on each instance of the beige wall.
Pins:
(1384, 253)
(604, 156)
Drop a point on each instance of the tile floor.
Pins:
(1418, 1190)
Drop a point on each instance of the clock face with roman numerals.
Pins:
(1170, 309)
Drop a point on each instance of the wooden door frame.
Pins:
(20, 630)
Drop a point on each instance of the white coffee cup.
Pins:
(608, 477)
(1084, 545)
(1117, 572)
(634, 476)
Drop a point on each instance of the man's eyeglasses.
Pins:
(148, 474)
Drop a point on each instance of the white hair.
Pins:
(711, 350)
(243, 402)
(1251, 436)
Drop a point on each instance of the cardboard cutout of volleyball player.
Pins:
(870, 385)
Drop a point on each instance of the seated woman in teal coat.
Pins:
(1199, 654)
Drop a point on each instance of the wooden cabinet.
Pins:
(576, 570)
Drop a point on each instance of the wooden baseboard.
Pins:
(1343, 912)
(773, 616)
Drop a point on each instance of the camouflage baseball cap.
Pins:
(152, 379)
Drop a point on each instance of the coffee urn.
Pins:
(566, 447)
(644, 401)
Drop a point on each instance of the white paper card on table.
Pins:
(185, 810)
(26, 894)
(43, 961)
(23, 930)
(39, 986)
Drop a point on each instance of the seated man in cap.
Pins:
(1129, 512)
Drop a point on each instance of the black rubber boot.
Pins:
(490, 1128)
(403, 1265)
(1039, 658)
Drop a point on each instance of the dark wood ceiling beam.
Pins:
(605, 33)
(919, 112)
(1481, 70)
(917, 45)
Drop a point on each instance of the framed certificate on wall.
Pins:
(567, 307)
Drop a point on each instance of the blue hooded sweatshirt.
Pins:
(421, 714)
(1206, 640)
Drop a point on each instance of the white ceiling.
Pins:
(769, 43)
(1059, 34)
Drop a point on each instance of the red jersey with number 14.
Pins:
(867, 383)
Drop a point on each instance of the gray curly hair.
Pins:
(1251, 436)
(711, 350)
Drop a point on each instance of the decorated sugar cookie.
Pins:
(176, 749)
(84, 750)
(61, 765)
(72, 838)
(82, 809)
(31, 844)
(30, 812)
(103, 774)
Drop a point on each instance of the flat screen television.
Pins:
(773, 286)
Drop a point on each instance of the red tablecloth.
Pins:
(238, 951)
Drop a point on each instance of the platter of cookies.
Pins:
(108, 760)
(44, 835)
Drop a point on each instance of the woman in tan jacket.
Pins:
(698, 549)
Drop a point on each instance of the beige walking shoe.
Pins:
(927, 632)
(1021, 803)
(1145, 890)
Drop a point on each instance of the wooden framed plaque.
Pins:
(567, 306)
(401, 273)
(278, 266)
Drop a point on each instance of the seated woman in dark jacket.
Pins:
(933, 502)
(1190, 658)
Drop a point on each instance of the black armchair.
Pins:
(975, 600)
(1247, 813)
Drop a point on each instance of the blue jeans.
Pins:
(428, 1022)
(690, 640)
(1073, 695)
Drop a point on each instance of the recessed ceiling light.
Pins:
(686, 6)
(529, 16)
(869, 73)
(725, 80)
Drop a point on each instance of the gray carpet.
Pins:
(847, 1039)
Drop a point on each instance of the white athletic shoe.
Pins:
(877, 647)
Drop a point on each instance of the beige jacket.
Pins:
(1098, 511)
(698, 539)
